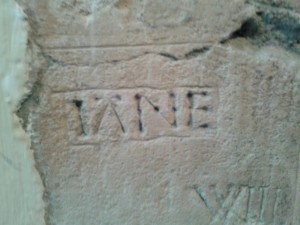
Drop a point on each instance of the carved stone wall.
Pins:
(166, 112)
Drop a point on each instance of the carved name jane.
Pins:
(140, 114)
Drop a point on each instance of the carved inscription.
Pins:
(245, 204)
(140, 114)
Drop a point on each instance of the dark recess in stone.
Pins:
(250, 28)
(137, 97)
(204, 93)
(204, 125)
(78, 103)
(156, 108)
(189, 94)
(204, 108)
(271, 27)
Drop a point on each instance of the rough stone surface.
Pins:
(166, 112)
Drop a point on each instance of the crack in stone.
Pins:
(194, 53)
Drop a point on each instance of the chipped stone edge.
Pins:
(22, 188)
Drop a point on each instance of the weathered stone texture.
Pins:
(167, 112)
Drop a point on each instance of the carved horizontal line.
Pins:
(206, 137)
(131, 88)
(57, 48)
